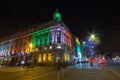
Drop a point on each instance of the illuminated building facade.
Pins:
(51, 42)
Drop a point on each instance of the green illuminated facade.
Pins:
(41, 37)
(57, 16)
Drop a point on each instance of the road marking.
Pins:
(42, 75)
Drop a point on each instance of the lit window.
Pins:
(40, 58)
(36, 49)
(49, 57)
(45, 48)
(44, 57)
(59, 47)
(50, 47)
(59, 36)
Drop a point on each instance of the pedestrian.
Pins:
(91, 62)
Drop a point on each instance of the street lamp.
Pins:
(93, 41)
(92, 36)
(30, 45)
(84, 48)
(31, 58)
(84, 42)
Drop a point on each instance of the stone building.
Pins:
(49, 43)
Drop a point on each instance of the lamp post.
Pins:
(84, 48)
(93, 41)
(30, 47)
(30, 54)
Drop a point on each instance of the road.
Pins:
(19, 73)
(103, 73)
(76, 72)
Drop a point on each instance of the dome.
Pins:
(57, 16)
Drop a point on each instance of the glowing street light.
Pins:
(84, 42)
(92, 36)
(93, 42)
(30, 45)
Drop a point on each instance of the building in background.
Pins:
(49, 43)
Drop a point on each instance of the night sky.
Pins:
(81, 18)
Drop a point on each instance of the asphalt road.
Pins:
(19, 73)
(76, 72)
(90, 74)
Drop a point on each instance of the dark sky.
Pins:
(82, 18)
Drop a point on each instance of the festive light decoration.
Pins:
(90, 46)
(78, 47)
